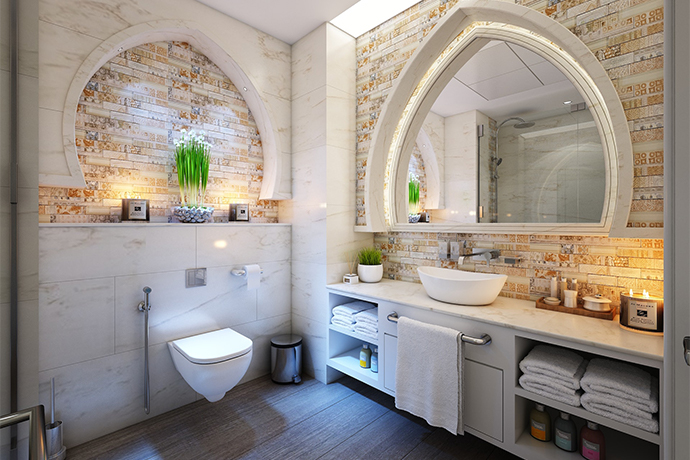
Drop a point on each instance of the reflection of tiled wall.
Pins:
(626, 36)
(606, 266)
(128, 116)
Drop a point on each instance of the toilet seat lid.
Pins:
(213, 347)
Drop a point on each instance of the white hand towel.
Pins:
(429, 373)
(351, 308)
(624, 381)
(555, 362)
(344, 318)
(606, 407)
(368, 316)
(365, 329)
(342, 323)
(536, 385)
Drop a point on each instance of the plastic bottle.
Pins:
(365, 357)
(592, 445)
(554, 287)
(375, 360)
(565, 433)
(540, 424)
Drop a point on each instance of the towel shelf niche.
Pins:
(485, 339)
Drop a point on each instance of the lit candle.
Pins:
(642, 312)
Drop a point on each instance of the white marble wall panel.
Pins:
(238, 245)
(92, 332)
(261, 332)
(323, 207)
(96, 397)
(77, 321)
(95, 252)
(314, 349)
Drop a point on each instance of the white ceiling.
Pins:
(503, 80)
(286, 20)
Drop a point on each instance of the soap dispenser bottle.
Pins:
(375, 360)
(365, 357)
(592, 445)
(540, 424)
(565, 433)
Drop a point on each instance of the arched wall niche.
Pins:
(447, 37)
(276, 184)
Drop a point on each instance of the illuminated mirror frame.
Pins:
(457, 37)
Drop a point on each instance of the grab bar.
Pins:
(145, 306)
(485, 339)
(37, 429)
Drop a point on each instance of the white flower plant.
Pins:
(193, 158)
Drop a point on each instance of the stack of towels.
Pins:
(358, 316)
(621, 392)
(553, 372)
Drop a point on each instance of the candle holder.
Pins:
(642, 312)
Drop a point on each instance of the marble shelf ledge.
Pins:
(516, 314)
(163, 224)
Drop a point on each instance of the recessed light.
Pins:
(567, 102)
(244, 88)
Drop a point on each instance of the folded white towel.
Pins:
(615, 410)
(428, 373)
(370, 336)
(350, 309)
(537, 385)
(342, 323)
(365, 329)
(367, 321)
(368, 316)
(556, 363)
(629, 383)
(343, 317)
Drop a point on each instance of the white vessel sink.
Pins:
(462, 288)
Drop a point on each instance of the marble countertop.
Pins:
(521, 315)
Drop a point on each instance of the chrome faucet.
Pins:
(486, 254)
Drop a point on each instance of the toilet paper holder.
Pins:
(241, 272)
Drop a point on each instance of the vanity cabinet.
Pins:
(496, 407)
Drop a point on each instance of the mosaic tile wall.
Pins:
(627, 37)
(128, 116)
(605, 266)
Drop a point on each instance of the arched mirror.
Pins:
(517, 141)
(500, 126)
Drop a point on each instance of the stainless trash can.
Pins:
(286, 359)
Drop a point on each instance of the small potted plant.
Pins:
(193, 158)
(370, 269)
(413, 199)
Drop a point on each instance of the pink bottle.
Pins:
(592, 446)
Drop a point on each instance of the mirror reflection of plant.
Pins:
(413, 193)
(193, 158)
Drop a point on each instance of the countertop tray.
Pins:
(579, 310)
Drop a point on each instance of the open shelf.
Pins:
(348, 363)
(353, 334)
(586, 415)
(618, 447)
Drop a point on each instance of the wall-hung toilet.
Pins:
(212, 363)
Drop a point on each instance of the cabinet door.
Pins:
(390, 347)
(483, 399)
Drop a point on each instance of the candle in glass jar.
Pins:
(642, 311)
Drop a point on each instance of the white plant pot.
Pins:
(370, 273)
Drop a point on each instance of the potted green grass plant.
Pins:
(370, 268)
(192, 158)
(413, 198)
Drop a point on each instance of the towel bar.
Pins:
(485, 339)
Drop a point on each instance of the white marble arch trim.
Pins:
(431, 167)
(271, 117)
(446, 30)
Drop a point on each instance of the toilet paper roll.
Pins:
(253, 274)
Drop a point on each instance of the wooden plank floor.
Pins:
(264, 420)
